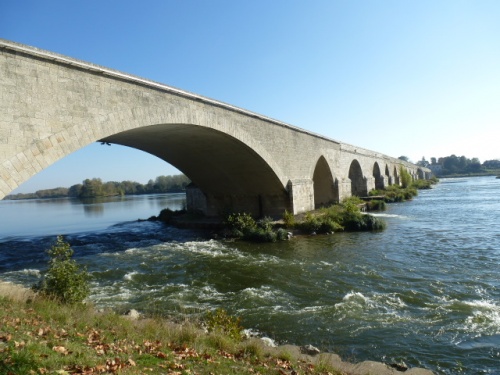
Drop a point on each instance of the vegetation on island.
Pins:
(347, 216)
(456, 166)
(95, 187)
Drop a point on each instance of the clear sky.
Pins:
(414, 78)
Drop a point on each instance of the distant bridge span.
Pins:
(52, 105)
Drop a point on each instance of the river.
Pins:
(425, 291)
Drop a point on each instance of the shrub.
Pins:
(282, 234)
(260, 235)
(405, 176)
(310, 224)
(220, 321)
(240, 222)
(288, 219)
(423, 184)
(167, 215)
(376, 205)
(64, 280)
(328, 226)
(373, 223)
(265, 223)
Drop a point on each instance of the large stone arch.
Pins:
(379, 178)
(358, 181)
(231, 175)
(326, 190)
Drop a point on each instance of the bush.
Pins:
(266, 224)
(328, 226)
(288, 219)
(167, 215)
(373, 223)
(282, 234)
(405, 177)
(376, 205)
(220, 321)
(310, 224)
(240, 223)
(260, 235)
(423, 184)
(64, 280)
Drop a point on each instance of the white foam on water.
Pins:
(326, 263)
(388, 215)
(130, 275)
(264, 292)
(26, 271)
(383, 308)
(485, 317)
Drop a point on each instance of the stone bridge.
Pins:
(52, 105)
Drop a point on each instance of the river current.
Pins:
(425, 291)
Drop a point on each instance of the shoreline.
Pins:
(307, 354)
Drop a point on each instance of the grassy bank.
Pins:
(41, 336)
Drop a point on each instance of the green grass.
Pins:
(42, 336)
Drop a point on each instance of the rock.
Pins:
(133, 314)
(309, 350)
(268, 342)
(401, 366)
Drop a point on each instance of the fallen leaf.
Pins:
(60, 349)
(131, 362)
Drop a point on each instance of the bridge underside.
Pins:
(228, 174)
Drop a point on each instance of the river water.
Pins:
(425, 291)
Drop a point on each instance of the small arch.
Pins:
(326, 189)
(379, 179)
(388, 175)
(396, 176)
(358, 182)
(420, 174)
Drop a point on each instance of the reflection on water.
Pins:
(36, 217)
(93, 209)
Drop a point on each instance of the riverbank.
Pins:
(42, 336)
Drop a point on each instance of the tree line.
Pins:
(460, 165)
(95, 187)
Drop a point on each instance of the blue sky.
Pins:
(415, 78)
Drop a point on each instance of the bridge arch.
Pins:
(358, 182)
(396, 176)
(420, 174)
(377, 175)
(232, 173)
(326, 190)
(388, 175)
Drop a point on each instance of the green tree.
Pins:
(91, 188)
(64, 280)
